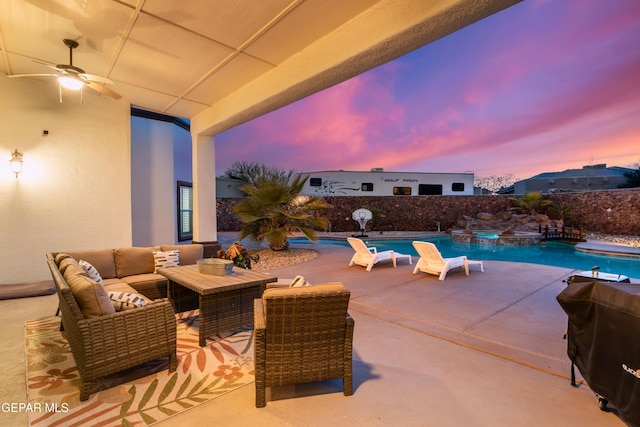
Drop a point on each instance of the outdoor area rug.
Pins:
(142, 395)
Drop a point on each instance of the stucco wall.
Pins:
(75, 191)
(160, 156)
(422, 213)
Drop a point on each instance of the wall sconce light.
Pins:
(16, 162)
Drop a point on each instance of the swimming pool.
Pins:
(551, 253)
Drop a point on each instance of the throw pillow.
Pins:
(91, 272)
(60, 256)
(91, 297)
(165, 259)
(126, 300)
(298, 282)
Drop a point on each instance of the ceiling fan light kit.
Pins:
(70, 83)
(75, 78)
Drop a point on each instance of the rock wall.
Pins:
(606, 211)
(430, 213)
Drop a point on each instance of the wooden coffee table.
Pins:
(225, 302)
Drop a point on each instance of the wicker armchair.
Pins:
(302, 335)
(108, 344)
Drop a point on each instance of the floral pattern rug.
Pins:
(142, 395)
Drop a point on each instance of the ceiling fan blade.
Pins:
(41, 62)
(58, 69)
(99, 88)
(34, 75)
(95, 78)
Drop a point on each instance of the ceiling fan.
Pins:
(73, 77)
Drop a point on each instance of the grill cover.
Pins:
(604, 341)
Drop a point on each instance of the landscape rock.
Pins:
(485, 216)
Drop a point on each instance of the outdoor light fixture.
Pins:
(70, 82)
(16, 162)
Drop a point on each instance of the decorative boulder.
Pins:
(540, 218)
(504, 216)
(485, 216)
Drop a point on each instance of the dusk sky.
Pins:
(543, 86)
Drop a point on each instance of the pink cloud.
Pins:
(561, 88)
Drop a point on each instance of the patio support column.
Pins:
(205, 229)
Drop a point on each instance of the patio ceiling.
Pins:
(223, 62)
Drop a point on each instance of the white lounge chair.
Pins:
(432, 262)
(368, 256)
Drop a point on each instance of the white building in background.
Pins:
(377, 182)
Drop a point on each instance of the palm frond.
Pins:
(274, 210)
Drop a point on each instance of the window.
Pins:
(401, 191)
(185, 211)
(457, 186)
(430, 189)
(315, 182)
(367, 186)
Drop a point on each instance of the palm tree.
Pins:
(274, 210)
(563, 212)
(253, 173)
(529, 203)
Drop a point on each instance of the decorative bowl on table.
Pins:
(215, 266)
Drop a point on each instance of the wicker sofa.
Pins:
(104, 341)
(135, 266)
(302, 334)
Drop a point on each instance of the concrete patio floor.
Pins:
(478, 350)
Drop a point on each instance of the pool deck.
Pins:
(480, 350)
(484, 350)
(608, 248)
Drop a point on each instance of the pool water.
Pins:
(552, 253)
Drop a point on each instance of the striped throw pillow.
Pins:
(126, 300)
(164, 259)
(91, 272)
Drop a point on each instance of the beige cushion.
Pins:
(116, 285)
(60, 256)
(145, 279)
(91, 297)
(189, 254)
(132, 261)
(152, 285)
(70, 266)
(326, 287)
(110, 282)
(101, 259)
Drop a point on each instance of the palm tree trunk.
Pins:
(283, 247)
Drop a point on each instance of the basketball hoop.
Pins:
(362, 215)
